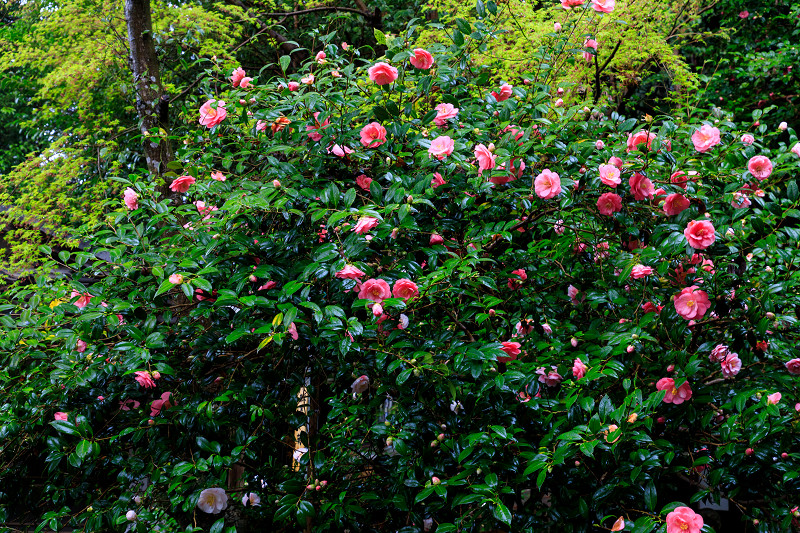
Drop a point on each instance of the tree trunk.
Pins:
(151, 102)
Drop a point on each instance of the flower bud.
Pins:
(782, 126)
(252, 278)
(574, 342)
(435, 480)
(560, 91)
(137, 500)
(276, 184)
(492, 312)
(749, 451)
(130, 516)
(633, 417)
(557, 27)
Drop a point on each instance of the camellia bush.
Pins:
(399, 296)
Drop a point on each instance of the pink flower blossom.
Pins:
(360, 385)
(512, 349)
(437, 180)
(320, 57)
(350, 272)
(218, 176)
(748, 139)
(705, 138)
(603, 6)
(551, 378)
(674, 395)
(609, 203)
(616, 161)
(382, 73)
(365, 224)
(700, 234)
(267, 286)
(421, 59)
(83, 301)
(376, 290)
(610, 175)
(486, 159)
(793, 366)
(237, 76)
(641, 187)
(573, 294)
(796, 149)
(373, 135)
(523, 328)
(210, 115)
(292, 331)
(569, 4)
(640, 137)
(650, 307)
(731, 365)
(156, 406)
(579, 368)
(740, 201)
(315, 134)
(436, 239)
(245, 83)
(504, 94)
(641, 271)
(131, 199)
(547, 184)
(364, 182)
(719, 353)
(774, 398)
(127, 405)
(675, 204)
(441, 147)
(684, 520)
(293, 86)
(144, 379)
(176, 278)
(340, 150)
(514, 283)
(691, 303)
(760, 167)
(405, 288)
(61, 416)
(182, 184)
(445, 112)
(599, 144)
(744, 14)
(81, 346)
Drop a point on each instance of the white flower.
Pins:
(299, 453)
(251, 499)
(213, 500)
(131, 516)
(456, 406)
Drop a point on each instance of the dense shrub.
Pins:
(519, 315)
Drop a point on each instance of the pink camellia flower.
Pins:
(441, 147)
(744, 14)
(376, 290)
(796, 149)
(551, 378)
(144, 379)
(360, 385)
(641, 271)
(292, 331)
(436, 239)
(218, 176)
(212, 501)
(365, 224)
(131, 199)
(320, 57)
(340, 150)
(675, 204)
(237, 76)
(267, 286)
(405, 288)
(421, 59)
(514, 173)
(774, 398)
(308, 80)
(641, 187)
(437, 180)
(514, 283)
(523, 329)
(641, 136)
(61, 416)
(363, 181)
(700, 234)
(176, 279)
(505, 93)
(603, 6)
(445, 112)
(512, 349)
(691, 303)
(373, 135)
(793, 366)
(609, 203)
(83, 301)
(382, 73)
(403, 322)
(212, 116)
(760, 167)
(547, 329)
(650, 307)
(599, 145)
(486, 159)
(557, 26)
(619, 525)
(569, 4)
(156, 406)
(127, 405)
(559, 102)
(748, 139)
(245, 83)
(547, 184)
(574, 294)
(731, 365)
(684, 520)
(705, 138)
(609, 175)
(719, 353)
(316, 128)
(674, 395)
(81, 346)
(293, 86)
(182, 184)
(616, 161)
(579, 368)
(740, 201)
(589, 43)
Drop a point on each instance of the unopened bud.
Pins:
(276, 184)
(435, 480)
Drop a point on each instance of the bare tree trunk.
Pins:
(151, 102)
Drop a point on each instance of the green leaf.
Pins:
(84, 449)
(65, 426)
(502, 513)
(284, 61)
(164, 287)
(217, 526)
(791, 191)
(380, 38)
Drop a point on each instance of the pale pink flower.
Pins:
(382, 73)
(610, 175)
(403, 322)
(213, 501)
(308, 80)
(61, 416)
(744, 14)
(512, 349)
(719, 353)
(436, 239)
(760, 167)
(360, 385)
(445, 112)
(740, 201)
(676, 395)
(514, 283)
(603, 6)
(365, 224)
(547, 184)
(573, 294)
(83, 301)
(793, 366)
(210, 115)
(616, 161)
(569, 4)
(641, 187)
(176, 279)
(796, 149)
(705, 138)
(774, 398)
(182, 184)
(421, 59)
(609, 203)
(315, 129)
(783, 126)
(218, 176)
(640, 137)
(405, 288)
(437, 180)
(486, 159)
(363, 181)
(376, 290)
(547, 329)
(340, 151)
(556, 27)
(599, 145)
(523, 329)
(81, 346)
(245, 83)
(748, 139)
(731, 365)
(675, 204)
(551, 378)
(144, 379)
(320, 57)
(684, 520)
(700, 234)
(441, 147)
(579, 368)
(505, 93)
(267, 286)
(691, 303)
(373, 135)
(131, 199)
(156, 406)
(237, 76)
(619, 525)
(641, 271)
(292, 331)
